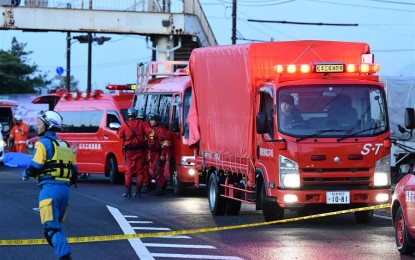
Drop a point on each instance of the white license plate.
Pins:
(338, 197)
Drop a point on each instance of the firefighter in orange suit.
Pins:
(134, 134)
(146, 178)
(18, 134)
(158, 152)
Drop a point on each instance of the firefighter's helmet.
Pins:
(18, 118)
(141, 114)
(154, 117)
(132, 112)
(52, 120)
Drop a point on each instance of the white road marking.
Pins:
(179, 246)
(174, 237)
(141, 248)
(182, 256)
(152, 228)
(380, 216)
(136, 243)
(130, 216)
(140, 222)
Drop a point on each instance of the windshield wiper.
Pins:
(357, 132)
(319, 132)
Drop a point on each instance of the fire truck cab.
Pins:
(90, 124)
(164, 87)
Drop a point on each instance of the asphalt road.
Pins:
(98, 209)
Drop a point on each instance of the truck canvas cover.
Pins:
(222, 113)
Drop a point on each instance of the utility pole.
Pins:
(234, 22)
(88, 87)
(68, 61)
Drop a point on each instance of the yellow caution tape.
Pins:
(73, 240)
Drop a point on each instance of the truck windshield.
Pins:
(339, 111)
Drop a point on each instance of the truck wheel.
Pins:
(234, 206)
(364, 216)
(111, 170)
(178, 187)
(402, 237)
(270, 209)
(217, 204)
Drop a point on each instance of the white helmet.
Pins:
(52, 119)
(18, 117)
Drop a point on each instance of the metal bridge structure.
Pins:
(173, 28)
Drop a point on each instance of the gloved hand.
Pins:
(24, 176)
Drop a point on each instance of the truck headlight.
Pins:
(289, 173)
(382, 172)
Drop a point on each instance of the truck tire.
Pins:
(404, 241)
(270, 209)
(364, 216)
(234, 206)
(111, 170)
(217, 204)
(178, 187)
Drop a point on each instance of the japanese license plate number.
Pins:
(338, 197)
(329, 68)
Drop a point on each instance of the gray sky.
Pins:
(387, 25)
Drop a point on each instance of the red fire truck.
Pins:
(334, 155)
(90, 124)
(403, 200)
(164, 87)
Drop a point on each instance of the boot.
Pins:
(127, 193)
(145, 189)
(138, 191)
(158, 191)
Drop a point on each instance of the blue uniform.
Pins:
(54, 180)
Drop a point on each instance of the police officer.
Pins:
(158, 152)
(54, 166)
(134, 133)
(18, 134)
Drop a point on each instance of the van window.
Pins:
(81, 121)
(164, 109)
(186, 107)
(152, 104)
(112, 117)
(140, 102)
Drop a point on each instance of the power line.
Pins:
(303, 23)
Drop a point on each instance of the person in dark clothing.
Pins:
(289, 114)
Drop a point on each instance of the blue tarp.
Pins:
(13, 159)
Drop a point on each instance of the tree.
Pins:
(73, 84)
(16, 75)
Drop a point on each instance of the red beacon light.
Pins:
(121, 87)
(97, 93)
(326, 68)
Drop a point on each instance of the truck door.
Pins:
(266, 154)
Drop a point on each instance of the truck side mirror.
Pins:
(409, 118)
(262, 123)
(114, 126)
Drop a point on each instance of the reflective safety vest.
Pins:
(60, 165)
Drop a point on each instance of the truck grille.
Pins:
(337, 183)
